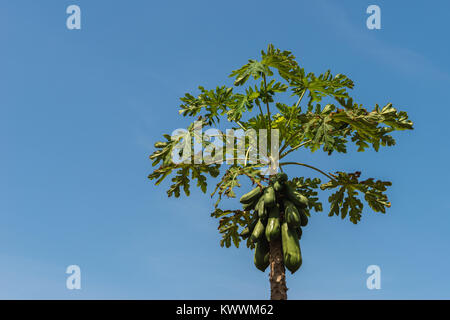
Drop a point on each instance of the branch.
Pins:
(300, 99)
(308, 166)
(262, 113)
(292, 136)
(240, 125)
(288, 140)
(295, 148)
(267, 102)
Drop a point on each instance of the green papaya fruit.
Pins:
(298, 199)
(273, 224)
(291, 214)
(282, 177)
(251, 196)
(258, 231)
(269, 197)
(245, 233)
(261, 258)
(291, 248)
(262, 212)
(299, 233)
(249, 229)
(302, 199)
(250, 206)
(277, 186)
(303, 217)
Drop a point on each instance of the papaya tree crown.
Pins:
(251, 104)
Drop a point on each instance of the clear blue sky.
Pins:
(80, 111)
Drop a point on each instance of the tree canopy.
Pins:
(308, 122)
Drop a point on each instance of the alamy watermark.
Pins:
(235, 146)
(374, 20)
(374, 280)
(74, 20)
(74, 280)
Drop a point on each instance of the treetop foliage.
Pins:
(305, 123)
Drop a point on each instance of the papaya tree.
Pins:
(274, 94)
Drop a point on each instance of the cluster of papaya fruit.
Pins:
(278, 211)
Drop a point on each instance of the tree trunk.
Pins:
(277, 276)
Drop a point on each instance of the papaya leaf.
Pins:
(308, 188)
(283, 61)
(229, 223)
(253, 69)
(322, 86)
(211, 104)
(345, 200)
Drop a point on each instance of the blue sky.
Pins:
(81, 109)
